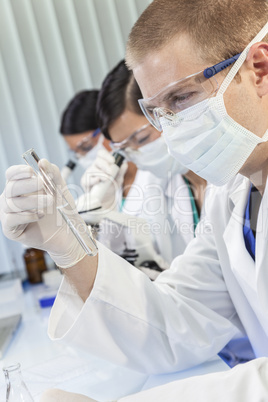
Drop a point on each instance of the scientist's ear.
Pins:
(257, 61)
(57, 395)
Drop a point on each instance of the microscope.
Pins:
(127, 239)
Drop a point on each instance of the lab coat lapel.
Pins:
(157, 214)
(262, 252)
(241, 262)
(253, 277)
(179, 207)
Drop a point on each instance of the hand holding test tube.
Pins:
(37, 209)
(62, 204)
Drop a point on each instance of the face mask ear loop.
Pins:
(230, 76)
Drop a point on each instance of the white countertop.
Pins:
(47, 364)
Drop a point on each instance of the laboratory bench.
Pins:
(47, 364)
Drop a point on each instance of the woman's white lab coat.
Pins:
(165, 205)
(209, 295)
(159, 221)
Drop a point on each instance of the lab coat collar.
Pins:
(262, 251)
(241, 262)
(240, 187)
(253, 277)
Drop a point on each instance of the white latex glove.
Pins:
(101, 171)
(30, 216)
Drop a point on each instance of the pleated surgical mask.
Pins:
(155, 158)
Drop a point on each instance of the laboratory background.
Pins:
(49, 51)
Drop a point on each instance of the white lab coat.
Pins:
(245, 383)
(212, 293)
(156, 221)
(166, 206)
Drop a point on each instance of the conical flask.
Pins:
(16, 390)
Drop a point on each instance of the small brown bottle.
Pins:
(35, 264)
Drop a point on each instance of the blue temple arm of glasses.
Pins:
(210, 71)
(96, 132)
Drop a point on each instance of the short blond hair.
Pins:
(218, 28)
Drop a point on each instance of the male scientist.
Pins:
(202, 67)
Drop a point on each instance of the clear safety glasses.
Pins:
(182, 94)
(140, 137)
(87, 143)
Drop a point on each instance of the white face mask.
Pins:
(154, 157)
(87, 160)
(212, 144)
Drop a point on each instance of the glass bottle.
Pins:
(35, 264)
(16, 390)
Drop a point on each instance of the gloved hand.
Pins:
(100, 171)
(30, 216)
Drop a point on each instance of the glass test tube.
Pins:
(32, 159)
